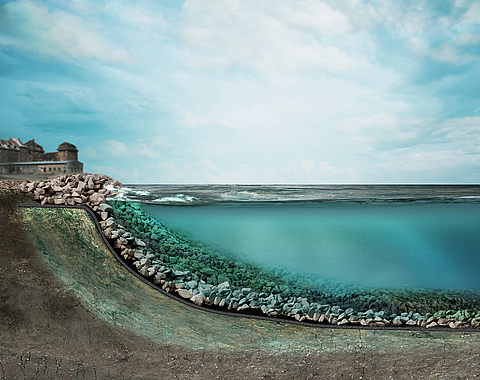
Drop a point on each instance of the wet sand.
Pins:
(49, 331)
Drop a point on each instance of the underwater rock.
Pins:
(184, 293)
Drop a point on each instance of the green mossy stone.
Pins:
(207, 271)
(440, 314)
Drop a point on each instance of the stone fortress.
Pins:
(17, 157)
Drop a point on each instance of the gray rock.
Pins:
(217, 300)
(192, 284)
(184, 293)
(110, 221)
(246, 290)
(105, 207)
(198, 299)
(145, 261)
(140, 243)
(272, 312)
(96, 198)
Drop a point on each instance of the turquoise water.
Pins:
(373, 245)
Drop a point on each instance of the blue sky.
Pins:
(248, 91)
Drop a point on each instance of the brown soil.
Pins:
(45, 333)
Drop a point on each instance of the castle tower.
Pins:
(34, 150)
(67, 152)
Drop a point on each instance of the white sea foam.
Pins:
(240, 195)
(141, 192)
(179, 198)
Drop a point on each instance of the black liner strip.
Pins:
(279, 319)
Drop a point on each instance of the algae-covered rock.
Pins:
(207, 271)
(440, 314)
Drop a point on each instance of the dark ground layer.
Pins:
(46, 332)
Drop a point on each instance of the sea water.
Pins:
(374, 236)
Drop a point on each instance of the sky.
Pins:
(248, 91)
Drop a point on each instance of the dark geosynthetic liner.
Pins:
(214, 309)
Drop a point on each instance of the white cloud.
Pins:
(386, 130)
(445, 53)
(137, 149)
(467, 39)
(451, 51)
(236, 34)
(203, 166)
(115, 171)
(473, 14)
(136, 16)
(306, 171)
(190, 119)
(382, 128)
(57, 33)
(419, 163)
(465, 130)
(113, 148)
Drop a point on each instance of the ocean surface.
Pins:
(370, 236)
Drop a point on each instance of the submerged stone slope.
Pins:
(170, 261)
(193, 273)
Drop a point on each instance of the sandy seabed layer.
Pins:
(47, 332)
